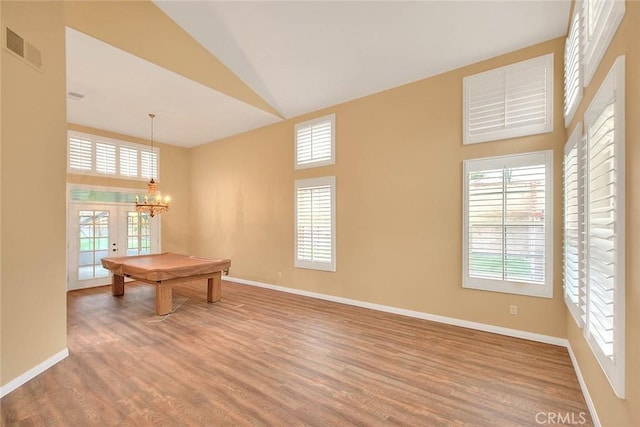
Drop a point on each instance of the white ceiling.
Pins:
(299, 56)
(120, 90)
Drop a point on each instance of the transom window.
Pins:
(508, 102)
(315, 142)
(94, 155)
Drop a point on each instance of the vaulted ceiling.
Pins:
(213, 69)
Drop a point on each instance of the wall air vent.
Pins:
(15, 44)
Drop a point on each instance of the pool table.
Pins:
(166, 270)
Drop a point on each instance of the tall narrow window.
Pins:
(600, 21)
(507, 102)
(573, 278)
(572, 70)
(315, 223)
(605, 225)
(93, 244)
(507, 224)
(138, 233)
(315, 142)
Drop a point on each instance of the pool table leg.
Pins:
(214, 287)
(117, 285)
(164, 299)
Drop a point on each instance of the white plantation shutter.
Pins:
(314, 142)
(80, 154)
(93, 155)
(510, 101)
(600, 21)
(106, 158)
(507, 232)
(148, 164)
(315, 223)
(604, 128)
(128, 161)
(572, 70)
(573, 280)
(583, 243)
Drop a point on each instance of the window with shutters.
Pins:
(148, 164)
(105, 158)
(600, 21)
(573, 225)
(507, 224)
(94, 155)
(315, 142)
(604, 251)
(315, 223)
(128, 161)
(509, 102)
(80, 154)
(572, 70)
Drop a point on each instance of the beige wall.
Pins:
(399, 206)
(33, 192)
(174, 181)
(399, 202)
(611, 410)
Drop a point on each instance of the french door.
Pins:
(99, 230)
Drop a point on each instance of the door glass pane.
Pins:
(93, 243)
(138, 233)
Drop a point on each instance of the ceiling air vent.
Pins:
(75, 96)
(22, 48)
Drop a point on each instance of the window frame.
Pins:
(595, 47)
(475, 81)
(573, 53)
(544, 290)
(331, 119)
(612, 86)
(94, 140)
(577, 309)
(310, 183)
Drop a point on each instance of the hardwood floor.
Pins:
(261, 357)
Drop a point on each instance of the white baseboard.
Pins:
(33, 372)
(411, 313)
(583, 387)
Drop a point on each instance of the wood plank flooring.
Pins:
(261, 357)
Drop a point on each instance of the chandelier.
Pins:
(153, 202)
